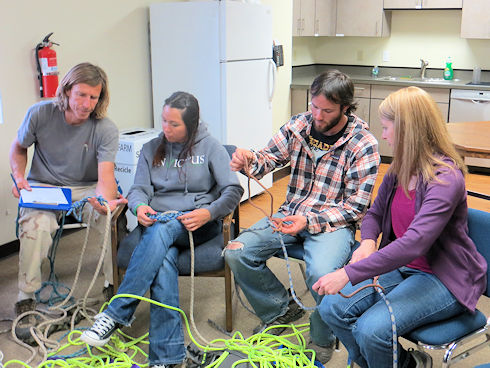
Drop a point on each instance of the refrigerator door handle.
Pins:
(272, 83)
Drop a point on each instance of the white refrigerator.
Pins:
(221, 52)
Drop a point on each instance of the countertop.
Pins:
(303, 76)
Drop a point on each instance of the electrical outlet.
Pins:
(386, 56)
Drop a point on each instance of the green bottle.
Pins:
(448, 70)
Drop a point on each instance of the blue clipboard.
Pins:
(43, 206)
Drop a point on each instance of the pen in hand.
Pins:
(15, 183)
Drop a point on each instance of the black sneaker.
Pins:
(323, 354)
(293, 313)
(100, 333)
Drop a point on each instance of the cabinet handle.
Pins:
(317, 27)
(303, 24)
(376, 28)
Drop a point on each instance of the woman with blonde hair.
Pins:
(421, 212)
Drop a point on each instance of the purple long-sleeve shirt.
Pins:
(439, 230)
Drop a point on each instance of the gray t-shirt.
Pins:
(64, 154)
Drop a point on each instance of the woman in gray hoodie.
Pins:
(184, 170)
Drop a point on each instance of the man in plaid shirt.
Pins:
(334, 161)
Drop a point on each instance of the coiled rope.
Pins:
(264, 349)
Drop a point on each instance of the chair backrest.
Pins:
(230, 148)
(479, 231)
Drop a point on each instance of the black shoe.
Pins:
(101, 331)
(323, 354)
(25, 305)
(293, 313)
(23, 328)
(108, 292)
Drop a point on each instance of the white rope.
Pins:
(40, 332)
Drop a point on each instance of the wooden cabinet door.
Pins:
(402, 4)
(362, 94)
(303, 17)
(362, 18)
(423, 4)
(442, 4)
(325, 17)
(299, 101)
(475, 21)
(375, 128)
(296, 17)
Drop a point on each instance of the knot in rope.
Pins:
(165, 216)
(119, 345)
(77, 207)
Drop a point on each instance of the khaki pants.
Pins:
(36, 231)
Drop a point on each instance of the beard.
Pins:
(323, 129)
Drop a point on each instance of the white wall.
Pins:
(432, 35)
(110, 33)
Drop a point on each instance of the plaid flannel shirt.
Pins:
(333, 193)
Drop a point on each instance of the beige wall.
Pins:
(110, 33)
(431, 34)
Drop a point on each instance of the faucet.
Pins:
(423, 67)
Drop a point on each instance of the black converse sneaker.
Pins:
(100, 333)
(293, 313)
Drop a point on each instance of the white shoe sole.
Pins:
(93, 342)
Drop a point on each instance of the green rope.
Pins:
(262, 350)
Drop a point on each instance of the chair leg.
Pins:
(228, 301)
(115, 269)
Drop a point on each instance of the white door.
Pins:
(247, 109)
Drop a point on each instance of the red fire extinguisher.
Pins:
(47, 67)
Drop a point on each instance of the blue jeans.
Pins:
(324, 253)
(153, 266)
(363, 322)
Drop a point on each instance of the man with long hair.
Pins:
(75, 146)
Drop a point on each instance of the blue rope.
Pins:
(393, 327)
(56, 295)
(76, 209)
(165, 216)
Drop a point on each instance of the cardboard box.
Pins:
(130, 143)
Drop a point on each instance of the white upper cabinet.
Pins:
(314, 17)
(475, 21)
(423, 4)
(362, 18)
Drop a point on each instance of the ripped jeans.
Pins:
(324, 253)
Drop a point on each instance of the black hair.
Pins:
(336, 87)
(189, 107)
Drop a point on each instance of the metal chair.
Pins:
(455, 332)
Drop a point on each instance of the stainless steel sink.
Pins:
(416, 79)
(433, 80)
